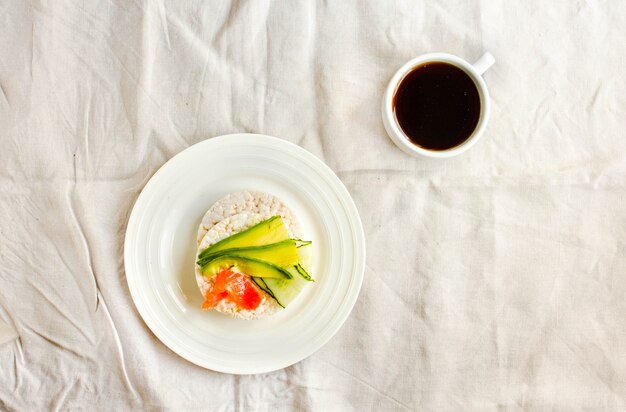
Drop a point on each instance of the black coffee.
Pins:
(437, 105)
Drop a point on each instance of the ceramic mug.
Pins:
(474, 71)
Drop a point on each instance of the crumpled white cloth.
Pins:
(7, 333)
(495, 280)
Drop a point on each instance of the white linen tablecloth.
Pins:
(494, 281)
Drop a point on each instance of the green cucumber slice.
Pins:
(269, 231)
(263, 286)
(251, 267)
(284, 291)
(302, 272)
(305, 256)
(300, 242)
(281, 254)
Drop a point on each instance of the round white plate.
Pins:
(159, 253)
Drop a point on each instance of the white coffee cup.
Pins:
(474, 71)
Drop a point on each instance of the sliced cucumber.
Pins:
(305, 256)
(268, 231)
(251, 267)
(284, 291)
(281, 254)
(302, 272)
(263, 286)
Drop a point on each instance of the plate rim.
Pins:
(348, 204)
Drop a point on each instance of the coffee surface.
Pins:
(437, 106)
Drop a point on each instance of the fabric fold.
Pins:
(7, 333)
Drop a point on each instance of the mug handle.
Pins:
(484, 63)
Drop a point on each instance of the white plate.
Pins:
(159, 253)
